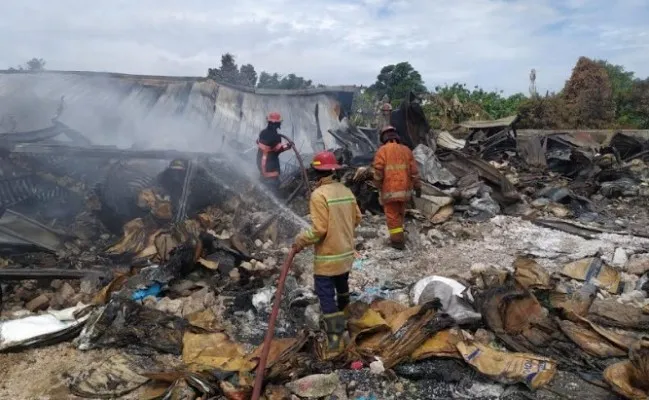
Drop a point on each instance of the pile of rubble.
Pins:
(526, 276)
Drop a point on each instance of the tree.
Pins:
(621, 86)
(227, 73)
(639, 103)
(276, 81)
(35, 64)
(247, 76)
(268, 81)
(449, 105)
(292, 81)
(589, 95)
(397, 80)
(549, 112)
(363, 110)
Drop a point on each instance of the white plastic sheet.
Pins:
(451, 293)
(32, 329)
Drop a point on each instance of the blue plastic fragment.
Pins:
(153, 290)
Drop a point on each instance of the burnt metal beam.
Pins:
(107, 152)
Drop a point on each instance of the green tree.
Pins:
(639, 103)
(228, 72)
(589, 95)
(396, 81)
(456, 103)
(247, 76)
(277, 81)
(363, 110)
(621, 86)
(268, 81)
(543, 112)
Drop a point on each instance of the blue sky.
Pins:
(490, 43)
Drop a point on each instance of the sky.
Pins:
(490, 43)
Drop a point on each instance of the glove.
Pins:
(288, 146)
(417, 192)
(296, 249)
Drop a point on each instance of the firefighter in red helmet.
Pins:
(396, 176)
(334, 216)
(270, 147)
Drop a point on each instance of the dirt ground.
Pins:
(448, 250)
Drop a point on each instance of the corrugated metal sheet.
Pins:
(154, 112)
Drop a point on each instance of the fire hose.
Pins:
(270, 332)
(261, 367)
(299, 160)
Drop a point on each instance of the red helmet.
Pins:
(274, 117)
(325, 161)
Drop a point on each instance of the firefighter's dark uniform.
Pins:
(270, 147)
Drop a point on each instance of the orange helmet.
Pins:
(274, 117)
(386, 107)
(389, 132)
(325, 161)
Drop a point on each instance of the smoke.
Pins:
(169, 113)
(156, 113)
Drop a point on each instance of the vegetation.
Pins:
(598, 95)
(246, 76)
(396, 81)
(35, 64)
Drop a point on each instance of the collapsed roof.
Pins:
(166, 112)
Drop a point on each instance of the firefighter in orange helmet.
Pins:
(270, 147)
(334, 216)
(395, 176)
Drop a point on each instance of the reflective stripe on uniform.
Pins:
(396, 167)
(394, 231)
(311, 236)
(341, 200)
(399, 194)
(335, 257)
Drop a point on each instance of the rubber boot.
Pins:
(334, 327)
(398, 241)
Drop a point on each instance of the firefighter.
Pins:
(335, 215)
(270, 147)
(395, 176)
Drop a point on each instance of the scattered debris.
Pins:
(527, 257)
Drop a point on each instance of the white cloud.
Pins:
(491, 43)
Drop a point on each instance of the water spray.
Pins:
(299, 160)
